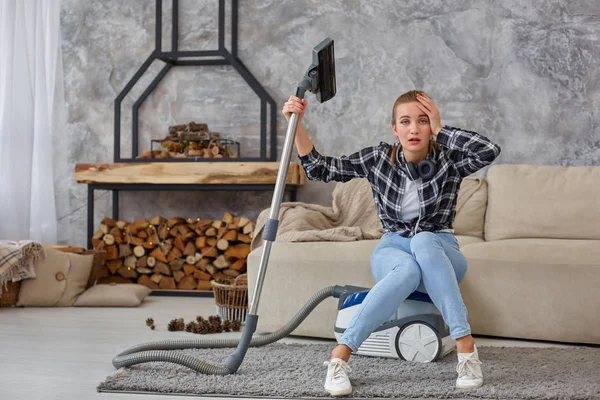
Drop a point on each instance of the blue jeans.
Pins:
(428, 262)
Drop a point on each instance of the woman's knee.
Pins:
(402, 270)
(407, 273)
(424, 241)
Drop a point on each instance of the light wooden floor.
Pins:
(64, 353)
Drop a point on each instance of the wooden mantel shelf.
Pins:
(190, 173)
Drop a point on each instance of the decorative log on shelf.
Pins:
(174, 253)
(186, 173)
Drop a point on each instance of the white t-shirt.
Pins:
(410, 201)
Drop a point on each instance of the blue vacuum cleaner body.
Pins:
(415, 332)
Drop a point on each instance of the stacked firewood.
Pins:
(192, 140)
(174, 253)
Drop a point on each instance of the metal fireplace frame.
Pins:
(176, 58)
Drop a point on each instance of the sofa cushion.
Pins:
(49, 284)
(516, 288)
(113, 295)
(470, 207)
(464, 240)
(60, 278)
(527, 201)
(99, 259)
(77, 278)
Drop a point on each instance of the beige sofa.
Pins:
(531, 236)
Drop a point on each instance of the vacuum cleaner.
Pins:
(411, 330)
(415, 332)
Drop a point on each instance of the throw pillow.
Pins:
(470, 207)
(46, 289)
(60, 278)
(77, 278)
(113, 295)
(99, 258)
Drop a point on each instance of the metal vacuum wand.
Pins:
(270, 231)
(320, 80)
(269, 236)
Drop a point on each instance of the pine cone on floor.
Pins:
(199, 318)
(204, 328)
(215, 322)
(197, 328)
(208, 328)
(191, 326)
(226, 326)
(236, 326)
(149, 321)
(214, 319)
(152, 327)
(176, 325)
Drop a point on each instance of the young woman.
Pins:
(415, 185)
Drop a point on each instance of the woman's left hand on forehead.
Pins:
(429, 108)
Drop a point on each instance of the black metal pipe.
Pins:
(175, 26)
(158, 36)
(263, 129)
(90, 216)
(119, 100)
(115, 204)
(185, 63)
(234, 27)
(273, 127)
(221, 25)
(190, 53)
(136, 108)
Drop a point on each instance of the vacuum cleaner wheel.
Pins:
(418, 341)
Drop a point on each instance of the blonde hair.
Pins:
(409, 97)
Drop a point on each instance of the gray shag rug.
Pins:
(296, 371)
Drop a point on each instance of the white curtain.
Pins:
(30, 83)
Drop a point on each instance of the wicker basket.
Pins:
(232, 299)
(10, 294)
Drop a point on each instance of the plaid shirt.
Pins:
(462, 153)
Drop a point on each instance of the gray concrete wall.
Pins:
(524, 73)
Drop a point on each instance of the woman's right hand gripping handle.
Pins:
(295, 105)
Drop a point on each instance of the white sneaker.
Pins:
(469, 371)
(337, 382)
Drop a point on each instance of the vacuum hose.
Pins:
(155, 351)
